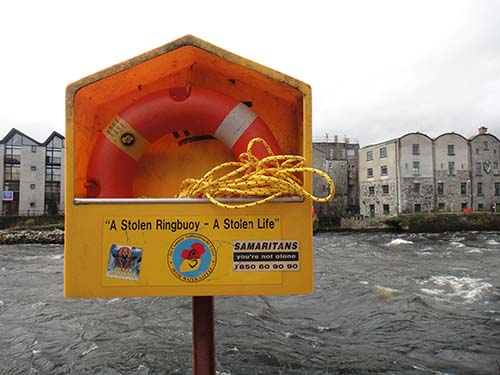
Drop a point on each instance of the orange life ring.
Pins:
(120, 146)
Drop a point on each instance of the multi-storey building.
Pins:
(339, 159)
(452, 173)
(416, 178)
(415, 173)
(485, 155)
(378, 179)
(33, 174)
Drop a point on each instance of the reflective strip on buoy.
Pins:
(235, 124)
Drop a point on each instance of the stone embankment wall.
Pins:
(430, 223)
(365, 224)
(55, 236)
(31, 229)
(436, 223)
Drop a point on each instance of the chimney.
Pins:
(483, 130)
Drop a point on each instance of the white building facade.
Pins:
(415, 173)
(32, 178)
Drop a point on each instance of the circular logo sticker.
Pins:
(127, 139)
(192, 258)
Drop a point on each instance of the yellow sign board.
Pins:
(126, 233)
(180, 251)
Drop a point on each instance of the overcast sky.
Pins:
(378, 69)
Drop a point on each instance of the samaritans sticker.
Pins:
(192, 258)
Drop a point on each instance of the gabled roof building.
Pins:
(415, 173)
(32, 174)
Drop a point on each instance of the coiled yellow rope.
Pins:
(266, 179)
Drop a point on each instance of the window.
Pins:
(416, 167)
(478, 168)
(11, 186)
(53, 173)
(477, 151)
(55, 187)
(369, 172)
(32, 186)
(440, 188)
(54, 152)
(497, 188)
(331, 153)
(415, 149)
(383, 170)
(32, 204)
(495, 167)
(383, 152)
(416, 188)
(418, 207)
(463, 188)
(451, 168)
(479, 188)
(33, 148)
(480, 207)
(369, 155)
(33, 167)
(485, 145)
(371, 190)
(451, 150)
(12, 154)
(12, 172)
(386, 209)
(441, 207)
(372, 210)
(385, 189)
(464, 205)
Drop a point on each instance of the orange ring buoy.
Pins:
(118, 149)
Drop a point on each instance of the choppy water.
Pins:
(384, 304)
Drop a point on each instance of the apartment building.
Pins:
(33, 174)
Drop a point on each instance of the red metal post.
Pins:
(203, 336)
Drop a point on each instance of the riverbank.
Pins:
(40, 236)
(425, 223)
(31, 229)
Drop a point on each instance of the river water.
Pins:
(384, 304)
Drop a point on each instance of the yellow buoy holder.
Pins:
(262, 179)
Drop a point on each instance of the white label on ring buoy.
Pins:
(126, 138)
(235, 124)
